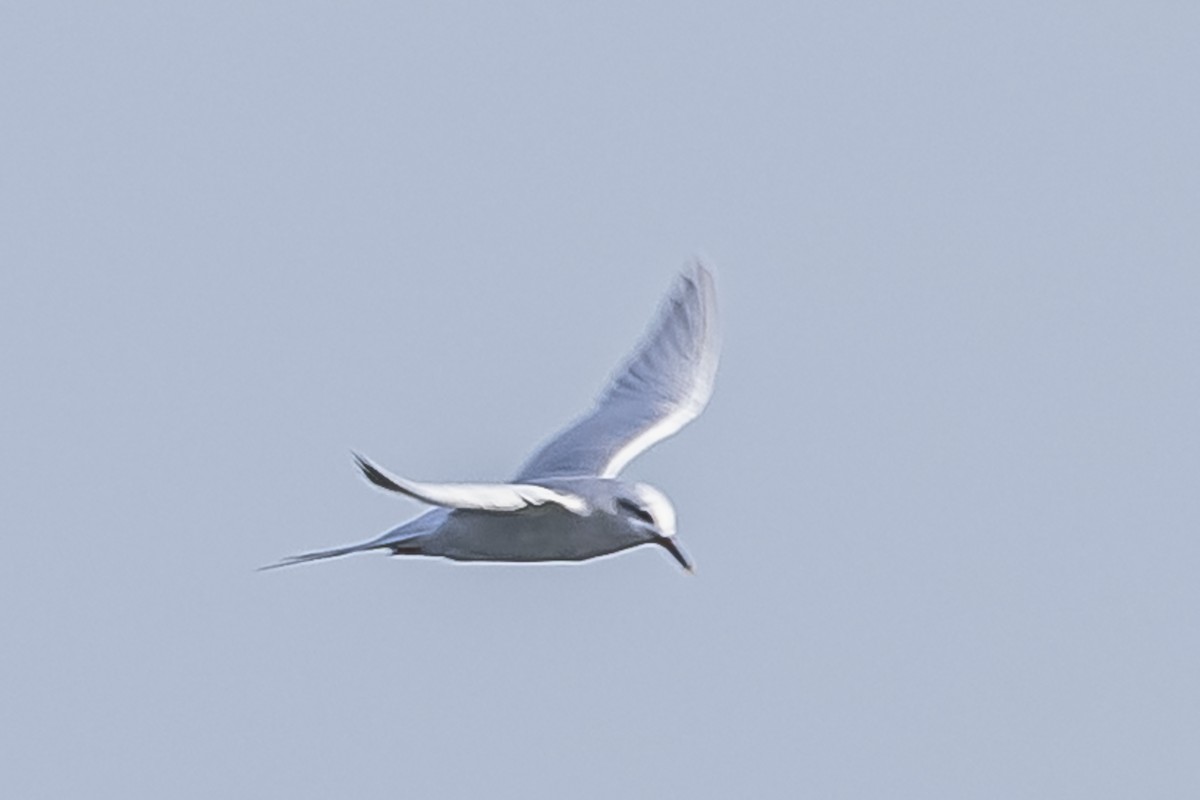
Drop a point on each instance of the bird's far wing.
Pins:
(498, 497)
(664, 385)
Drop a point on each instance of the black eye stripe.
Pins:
(636, 510)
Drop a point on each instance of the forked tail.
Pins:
(317, 556)
(397, 548)
(403, 540)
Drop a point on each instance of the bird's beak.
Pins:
(671, 546)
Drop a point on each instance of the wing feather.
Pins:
(663, 385)
(499, 497)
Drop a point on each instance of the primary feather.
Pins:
(665, 384)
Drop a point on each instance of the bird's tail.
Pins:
(406, 540)
(319, 555)
(408, 546)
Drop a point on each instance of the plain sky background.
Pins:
(943, 505)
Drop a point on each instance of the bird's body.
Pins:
(567, 503)
(543, 533)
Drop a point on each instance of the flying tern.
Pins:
(567, 503)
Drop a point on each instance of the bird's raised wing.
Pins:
(664, 385)
(497, 497)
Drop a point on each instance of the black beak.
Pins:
(669, 544)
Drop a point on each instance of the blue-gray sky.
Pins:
(943, 505)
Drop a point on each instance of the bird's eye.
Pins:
(635, 510)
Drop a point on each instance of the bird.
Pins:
(567, 502)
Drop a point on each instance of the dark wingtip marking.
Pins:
(373, 474)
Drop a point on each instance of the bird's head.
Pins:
(647, 511)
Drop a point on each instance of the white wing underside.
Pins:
(664, 385)
(498, 497)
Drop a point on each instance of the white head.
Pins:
(649, 512)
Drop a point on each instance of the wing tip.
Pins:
(698, 276)
(374, 474)
(699, 268)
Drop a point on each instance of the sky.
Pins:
(943, 504)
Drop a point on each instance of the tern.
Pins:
(567, 503)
